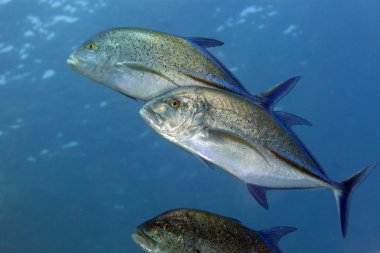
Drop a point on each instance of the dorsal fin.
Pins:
(205, 42)
(232, 219)
(291, 119)
(272, 96)
(273, 235)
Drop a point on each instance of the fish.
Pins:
(247, 140)
(186, 230)
(143, 64)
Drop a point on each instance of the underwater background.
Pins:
(79, 168)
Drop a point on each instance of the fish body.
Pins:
(245, 139)
(143, 64)
(196, 231)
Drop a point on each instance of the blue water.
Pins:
(79, 169)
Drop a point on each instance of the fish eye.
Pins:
(91, 46)
(175, 103)
(166, 227)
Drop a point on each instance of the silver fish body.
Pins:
(196, 231)
(245, 139)
(142, 63)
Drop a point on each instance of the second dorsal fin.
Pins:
(270, 97)
(291, 119)
(205, 42)
(274, 234)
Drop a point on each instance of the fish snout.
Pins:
(153, 118)
(72, 60)
(143, 240)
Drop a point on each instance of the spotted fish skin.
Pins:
(196, 231)
(143, 63)
(245, 139)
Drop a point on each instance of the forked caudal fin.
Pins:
(273, 235)
(343, 195)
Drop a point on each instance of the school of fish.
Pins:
(195, 102)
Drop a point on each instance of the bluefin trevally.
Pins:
(246, 140)
(142, 64)
(196, 231)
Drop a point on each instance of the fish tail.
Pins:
(343, 194)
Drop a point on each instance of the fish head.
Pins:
(96, 57)
(144, 240)
(176, 115)
(164, 233)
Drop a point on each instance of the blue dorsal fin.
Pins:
(273, 235)
(232, 219)
(205, 42)
(272, 96)
(260, 194)
(291, 119)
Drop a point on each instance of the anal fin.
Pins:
(260, 194)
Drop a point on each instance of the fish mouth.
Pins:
(73, 61)
(144, 240)
(70, 61)
(153, 118)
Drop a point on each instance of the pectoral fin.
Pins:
(316, 173)
(143, 68)
(215, 82)
(223, 136)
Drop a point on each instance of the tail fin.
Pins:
(343, 195)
